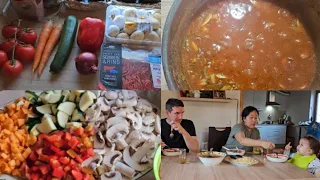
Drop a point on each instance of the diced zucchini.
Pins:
(46, 126)
(85, 102)
(49, 92)
(57, 91)
(93, 95)
(72, 97)
(76, 115)
(78, 98)
(67, 107)
(44, 109)
(75, 124)
(44, 98)
(34, 131)
(30, 116)
(31, 96)
(53, 118)
(54, 109)
(55, 98)
(62, 119)
(66, 94)
(78, 92)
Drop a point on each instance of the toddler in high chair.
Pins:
(306, 156)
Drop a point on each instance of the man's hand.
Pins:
(288, 146)
(163, 145)
(178, 127)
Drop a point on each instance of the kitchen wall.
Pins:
(206, 114)
(298, 106)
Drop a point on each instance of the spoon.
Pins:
(171, 134)
(225, 148)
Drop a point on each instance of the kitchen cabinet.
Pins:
(257, 99)
(273, 133)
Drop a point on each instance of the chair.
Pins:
(218, 137)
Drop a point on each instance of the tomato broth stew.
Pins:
(242, 44)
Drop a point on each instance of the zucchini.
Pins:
(34, 130)
(44, 97)
(75, 124)
(53, 118)
(66, 94)
(57, 91)
(32, 122)
(54, 109)
(62, 119)
(68, 36)
(72, 97)
(55, 98)
(67, 107)
(31, 96)
(46, 126)
(85, 102)
(93, 95)
(76, 115)
(44, 109)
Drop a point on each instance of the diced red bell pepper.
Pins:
(43, 157)
(76, 174)
(54, 157)
(64, 160)
(39, 151)
(67, 136)
(58, 144)
(78, 158)
(90, 152)
(37, 163)
(71, 153)
(67, 169)
(79, 131)
(33, 156)
(42, 137)
(55, 137)
(72, 163)
(86, 177)
(28, 175)
(54, 149)
(58, 172)
(54, 164)
(49, 177)
(61, 153)
(35, 176)
(34, 168)
(44, 169)
(73, 143)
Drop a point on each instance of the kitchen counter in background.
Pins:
(275, 133)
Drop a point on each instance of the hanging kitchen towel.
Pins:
(314, 130)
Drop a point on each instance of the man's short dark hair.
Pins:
(173, 103)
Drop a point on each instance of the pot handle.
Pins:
(5, 8)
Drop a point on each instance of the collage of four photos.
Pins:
(159, 90)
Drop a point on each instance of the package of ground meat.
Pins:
(133, 69)
(29, 9)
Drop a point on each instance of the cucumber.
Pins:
(44, 109)
(62, 119)
(55, 98)
(76, 115)
(31, 96)
(46, 126)
(67, 37)
(67, 107)
(75, 124)
(85, 102)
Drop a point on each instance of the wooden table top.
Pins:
(265, 170)
(68, 78)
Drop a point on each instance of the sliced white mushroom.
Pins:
(127, 94)
(111, 95)
(96, 158)
(125, 170)
(116, 120)
(115, 175)
(121, 111)
(143, 106)
(117, 134)
(99, 141)
(112, 157)
(126, 102)
(93, 112)
(136, 120)
(133, 156)
(103, 103)
(149, 118)
(157, 125)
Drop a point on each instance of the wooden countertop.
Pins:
(68, 78)
(194, 169)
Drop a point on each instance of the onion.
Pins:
(87, 63)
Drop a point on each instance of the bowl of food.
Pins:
(225, 44)
(171, 152)
(279, 158)
(242, 161)
(211, 158)
(233, 152)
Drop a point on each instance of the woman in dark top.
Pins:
(177, 132)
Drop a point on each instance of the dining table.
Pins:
(264, 170)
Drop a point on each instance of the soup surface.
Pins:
(247, 44)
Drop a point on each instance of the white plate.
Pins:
(234, 153)
(280, 159)
(230, 160)
(166, 153)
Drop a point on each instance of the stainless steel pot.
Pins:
(182, 12)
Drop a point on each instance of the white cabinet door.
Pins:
(260, 99)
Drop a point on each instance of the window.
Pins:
(317, 106)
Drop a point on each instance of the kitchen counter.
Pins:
(194, 169)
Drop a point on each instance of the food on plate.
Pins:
(235, 150)
(60, 155)
(171, 150)
(87, 63)
(65, 46)
(136, 75)
(211, 154)
(243, 160)
(12, 68)
(52, 42)
(25, 53)
(246, 45)
(127, 137)
(90, 34)
(15, 141)
(43, 38)
(3, 58)
(211, 158)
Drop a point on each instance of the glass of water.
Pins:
(204, 147)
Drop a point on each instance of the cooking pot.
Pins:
(182, 12)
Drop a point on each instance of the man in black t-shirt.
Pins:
(177, 132)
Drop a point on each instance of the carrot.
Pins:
(53, 40)
(43, 38)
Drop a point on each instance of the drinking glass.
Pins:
(204, 146)
(183, 156)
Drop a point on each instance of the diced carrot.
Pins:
(21, 122)
(16, 172)
(26, 104)
(26, 153)
(26, 111)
